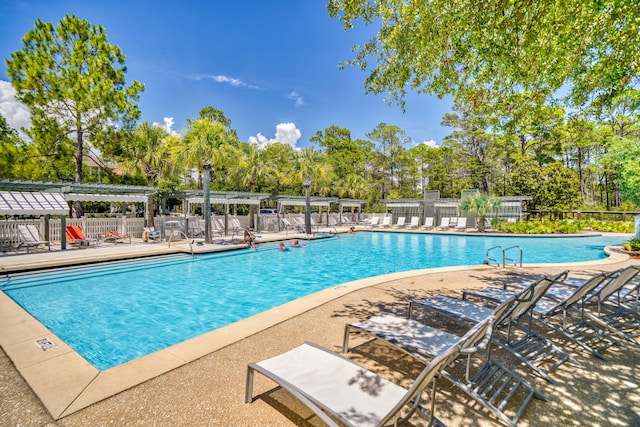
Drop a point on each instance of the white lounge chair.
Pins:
(461, 224)
(572, 321)
(428, 223)
(217, 227)
(374, 222)
(400, 222)
(235, 226)
(535, 350)
(345, 220)
(386, 222)
(493, 385)
(445, 223)
(30, 237)
(320, 228)
(415, 222)
(289, 226)
(333, 386)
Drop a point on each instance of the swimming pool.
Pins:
(115, 312)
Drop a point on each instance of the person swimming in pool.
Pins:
(296, 244)
(283, 247)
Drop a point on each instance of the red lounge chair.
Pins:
(75, 236)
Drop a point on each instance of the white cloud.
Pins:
(167, 125)
(16, 113)
(430, 143)
(286, 133)
(235, 82)
(260, 140)
(299, 102)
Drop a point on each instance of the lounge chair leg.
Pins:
(345, 340)
(248, 394)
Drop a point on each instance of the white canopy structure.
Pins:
(224, 201)
(32, 203)
(124, 198)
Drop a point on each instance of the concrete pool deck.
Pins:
(201, 381)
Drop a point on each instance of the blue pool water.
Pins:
(115, 312)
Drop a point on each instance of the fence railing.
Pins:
(582, 215)
(96, 228)
(92, 227)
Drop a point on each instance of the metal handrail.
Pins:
(504, 256)
(489, 259)
(185, 236)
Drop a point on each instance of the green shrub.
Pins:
(632, 245)
(609, 226)
(565, 227)
(541, 227)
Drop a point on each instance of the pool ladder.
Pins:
(182, 233)
(504, 256)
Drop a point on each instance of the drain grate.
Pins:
(45, 344)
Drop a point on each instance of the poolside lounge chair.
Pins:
(428, 223)
(374, 222)
(345, 220)
(400, 222)
(289, 226)
(30, 237)
(461, 224)
(115, 237)
(150, 233)
(415, 222)
(605, 304)
(217, 227)
(330, 384)
(320, 228)
(492, 385)
(533, 349)
(627, 297)
(235, 226)
(193, 229)
(386, 222)
(214, 227)
(445, 223)
(609, 317)
(75, 236)
(575, 324)
(300, 222)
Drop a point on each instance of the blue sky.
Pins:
(270, 66)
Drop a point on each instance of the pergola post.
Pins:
(63, 234)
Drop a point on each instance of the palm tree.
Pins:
(147, 150)
(206, 143)
(252, 170)
(480, 204)
(311, 165)
(353, 186)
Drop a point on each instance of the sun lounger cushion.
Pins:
(335, 382)
(406, 333)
